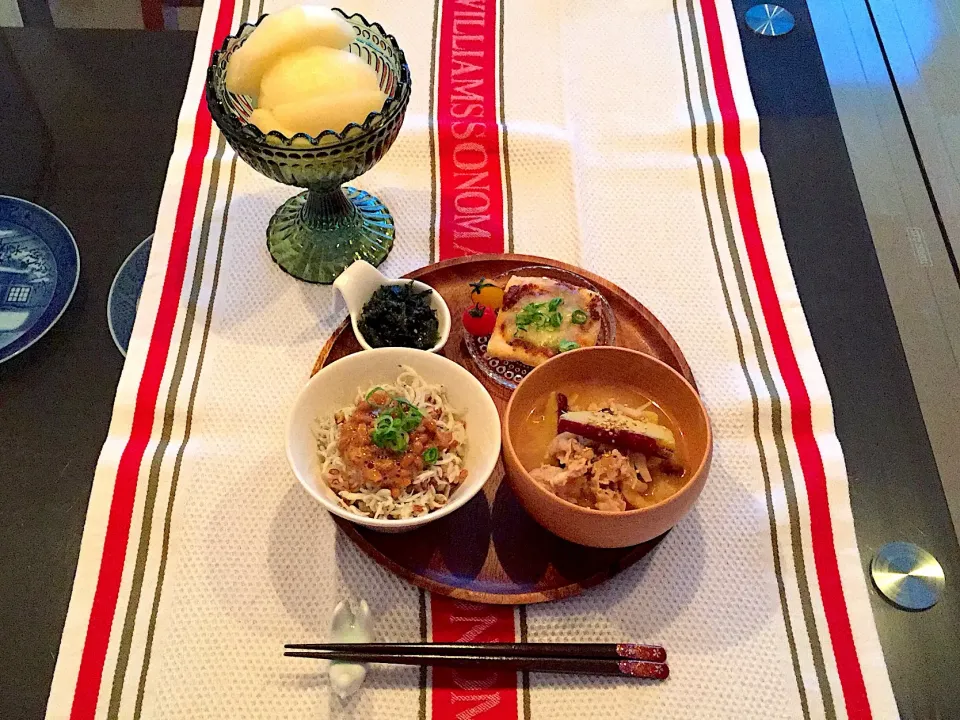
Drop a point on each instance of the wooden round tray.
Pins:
(491, 551)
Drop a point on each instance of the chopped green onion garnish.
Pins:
(406, 406)
(370, 394)
(381, 438)
(398, 443)
(540, 315)
(431, 455)
(394, 423)
(579, 317)
(566, 345)
(410, 422)
(531, 314)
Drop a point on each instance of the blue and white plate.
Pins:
(39, 269)
(125, 294)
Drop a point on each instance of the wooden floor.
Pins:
(894, 69)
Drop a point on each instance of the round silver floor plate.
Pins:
(907, 575)
(769, 20)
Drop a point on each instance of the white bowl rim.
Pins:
(460, 498)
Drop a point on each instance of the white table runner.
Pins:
(620, 136)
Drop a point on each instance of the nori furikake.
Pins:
(398, 316)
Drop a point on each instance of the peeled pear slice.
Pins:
(267, 122)
(280, 33)
(264, 119)
(329, 112)
(315, 71)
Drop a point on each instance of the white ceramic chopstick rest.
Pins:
(349, 625)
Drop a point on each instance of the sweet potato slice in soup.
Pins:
(620, 431)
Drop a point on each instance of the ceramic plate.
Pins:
(125, 294)
(39, 269)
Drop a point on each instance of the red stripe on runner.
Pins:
(811, 462)
(124, 493)
(468, 694)
(470, 222)
(471, 193)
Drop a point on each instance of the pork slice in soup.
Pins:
(604, 447)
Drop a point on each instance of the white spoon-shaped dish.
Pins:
(358, 283)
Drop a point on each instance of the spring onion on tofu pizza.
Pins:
(541, 317)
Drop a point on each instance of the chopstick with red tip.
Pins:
(623, 659)
(598, 651)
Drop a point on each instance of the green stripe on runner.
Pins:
(507, 186)
(169, 413)
(432, 129)
(168, 516)
(127, 637)
(793, 512)
(788, 625)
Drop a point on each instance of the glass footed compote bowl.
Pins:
(316, 234)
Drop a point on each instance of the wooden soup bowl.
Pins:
(618, 367)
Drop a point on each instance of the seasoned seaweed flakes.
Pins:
(399, 316)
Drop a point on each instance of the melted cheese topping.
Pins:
(537, 344)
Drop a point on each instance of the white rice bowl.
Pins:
(336, 387)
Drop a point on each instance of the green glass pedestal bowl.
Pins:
(316, 234)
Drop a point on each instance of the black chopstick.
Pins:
(596, 651)
(566, 665)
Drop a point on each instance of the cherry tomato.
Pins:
(487, 294)
(479, 320)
